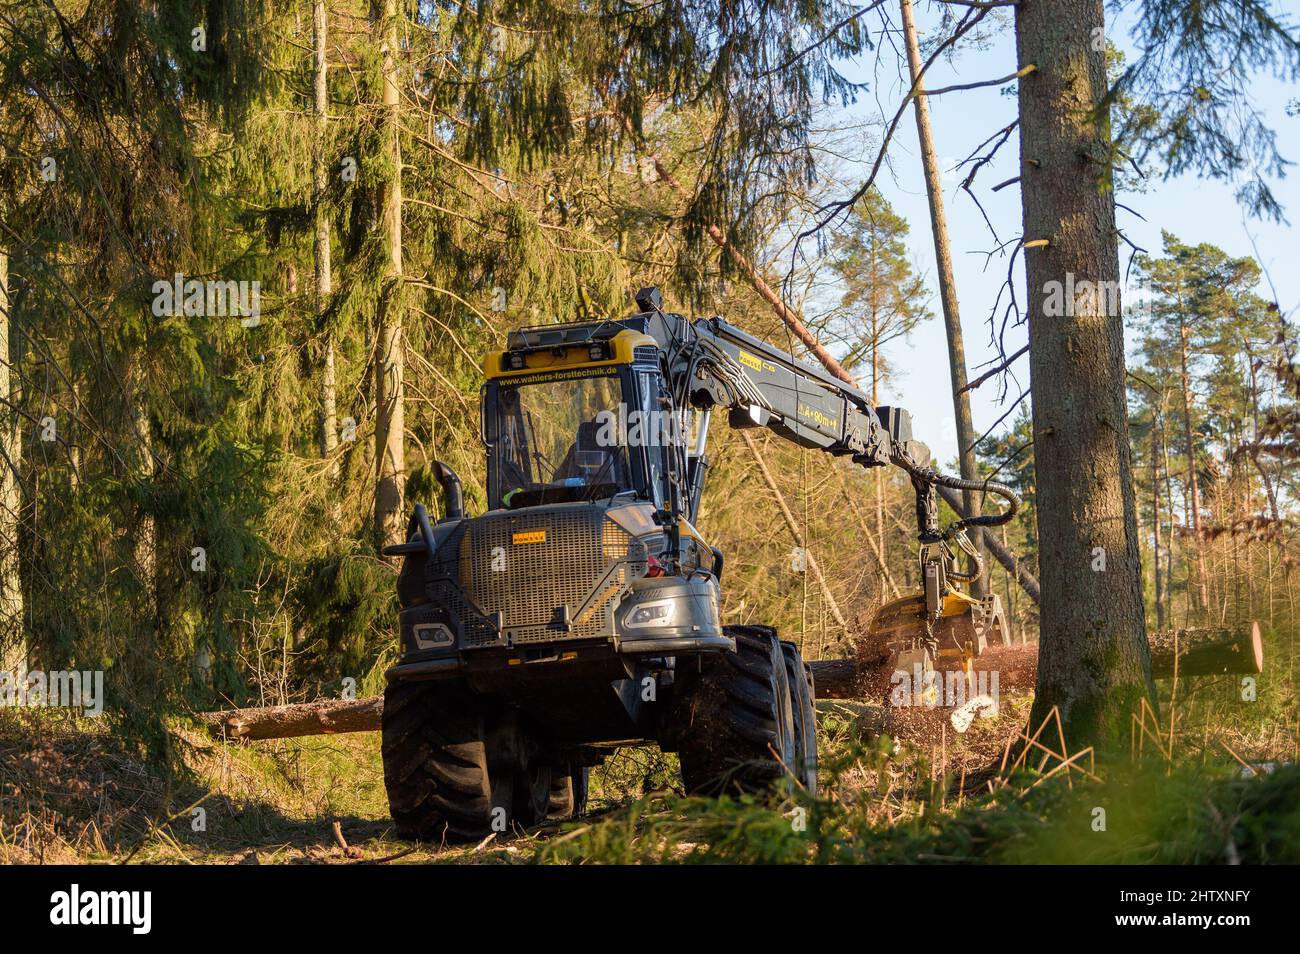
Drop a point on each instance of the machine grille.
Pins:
(562, 568)
(442, 581)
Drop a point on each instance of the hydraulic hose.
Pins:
(931, 476)
(991, 486)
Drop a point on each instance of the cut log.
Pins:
(838, 678)
(286, 722)
(1207, 652)
(1201, 652)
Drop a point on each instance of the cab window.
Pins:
(558, 440)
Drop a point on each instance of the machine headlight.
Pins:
(652, 614)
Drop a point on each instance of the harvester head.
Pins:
(903, 632)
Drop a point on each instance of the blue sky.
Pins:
(1194, 210)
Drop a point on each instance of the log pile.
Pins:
(1197, 652)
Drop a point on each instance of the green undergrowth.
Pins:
(1189, 814)
(1229, 794)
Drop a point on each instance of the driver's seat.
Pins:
(588, 431)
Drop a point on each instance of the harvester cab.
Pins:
(582, 610)
(556, 408)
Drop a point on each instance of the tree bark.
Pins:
(1199, 653)
(1194, 495)
(1169, 527)
(324, 280)
(1207, 652)
(144, 653)
(390, 361)
(1093, 657)
(13, 638)
(287, 722)
(1155, 522)
(947, 281)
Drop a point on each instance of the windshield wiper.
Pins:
(595, 481)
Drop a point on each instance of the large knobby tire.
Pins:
(532, 797)
(568, 797)
(738, 731)
(436, 763)
(803, 704)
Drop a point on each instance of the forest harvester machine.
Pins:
(582, 610)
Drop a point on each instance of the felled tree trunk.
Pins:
(859, 679)
(1199, 653)
(286, 722)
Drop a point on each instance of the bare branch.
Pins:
(1002, 366)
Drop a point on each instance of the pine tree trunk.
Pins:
(1093, 658)
(390, 363)
(324, 280)
(1194, 496)
(145, 536)
(1169, 500)
(947, 287)
(13, 638)
(1270, 493)
(1155, 525)
(875, 402)
(144, 653)
(1013, 617)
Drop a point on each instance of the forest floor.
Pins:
(68, 794)
(895, 787)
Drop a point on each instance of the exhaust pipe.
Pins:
(453, 496)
